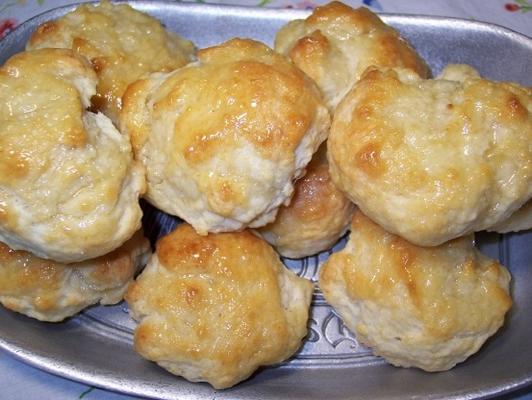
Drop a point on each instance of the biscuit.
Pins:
(52, 291)
(224, 138)
(519, 221)
(317, 216)
(432, 160)
(121, 43)
(424, 307)
(69, 187)
(214, 308)
(336, 44)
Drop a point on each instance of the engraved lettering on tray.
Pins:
(335, 332)
(313, 335)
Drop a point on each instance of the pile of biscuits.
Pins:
(339, 128)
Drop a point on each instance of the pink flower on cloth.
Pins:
(519, 5)
(6, 26)
(303, 5)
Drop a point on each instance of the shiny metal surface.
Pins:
(95, 347)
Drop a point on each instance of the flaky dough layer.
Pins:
(52, 291)
(223, 139)
(121, 43)
(69, 186)
(336, 44)
(424, 307)
(432, 160)
(317, 216)
(214, 308)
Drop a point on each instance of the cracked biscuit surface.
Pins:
(336, 44)
(51, 291)
(215, 308)
(432, 160)
(121, 43)
(69, 186)
(224, 138)
(424, 307)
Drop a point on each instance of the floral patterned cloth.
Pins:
(21, 382)
(516, 14)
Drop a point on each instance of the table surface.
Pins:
(19, 381)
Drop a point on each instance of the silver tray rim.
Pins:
(63, 370)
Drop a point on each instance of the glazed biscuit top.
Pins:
(68, 185)
(227, 285)
(240, 90)
(120, 42)
(434, 285)
(336, 43)
(223, 303)
(433, 159)
(229, 132)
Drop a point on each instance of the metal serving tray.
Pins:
(96, 346)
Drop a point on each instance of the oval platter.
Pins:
(96, 346)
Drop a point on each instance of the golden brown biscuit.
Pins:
(317, 216)
(121, 43)
(432, 160)
(214, 308)
(424, 307)
(223, 139)
(519, 221)
(69, 187)
(52, 291)
(336, 44)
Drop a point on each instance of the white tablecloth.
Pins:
(21, 382)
